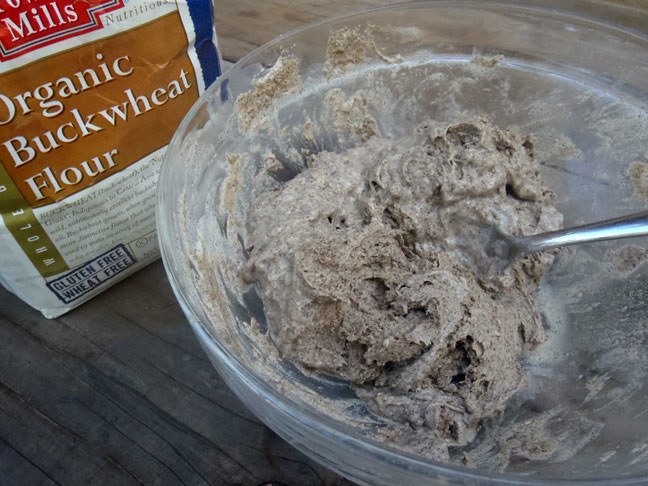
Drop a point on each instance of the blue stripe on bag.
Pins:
(202, 18)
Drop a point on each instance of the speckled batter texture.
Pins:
(638, 174)
(366, 263)
(348, 47)
(254, 106)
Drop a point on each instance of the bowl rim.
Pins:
(301, 411)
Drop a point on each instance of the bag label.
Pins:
(71, 109)
(86, 278)
(26, 25)
(30, 235)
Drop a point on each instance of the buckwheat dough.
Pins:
(367, 266)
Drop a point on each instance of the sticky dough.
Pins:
(367, 264)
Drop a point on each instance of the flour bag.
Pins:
(90, 94)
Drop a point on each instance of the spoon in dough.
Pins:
(505, 249)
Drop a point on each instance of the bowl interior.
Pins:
(578, 87)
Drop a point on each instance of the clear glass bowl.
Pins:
(581, 87)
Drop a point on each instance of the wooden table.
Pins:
(119, 391)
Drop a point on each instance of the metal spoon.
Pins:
(506, 249)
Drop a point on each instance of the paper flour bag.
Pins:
(90, 94)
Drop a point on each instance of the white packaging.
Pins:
(90, 95)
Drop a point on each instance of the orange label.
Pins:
(71, 120)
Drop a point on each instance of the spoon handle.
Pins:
(611, 229)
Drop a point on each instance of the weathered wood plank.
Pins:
(119, 392)
(245, 24)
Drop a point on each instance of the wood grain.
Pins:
(243, 25)
(118, 392)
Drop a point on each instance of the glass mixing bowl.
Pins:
(580, 87)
